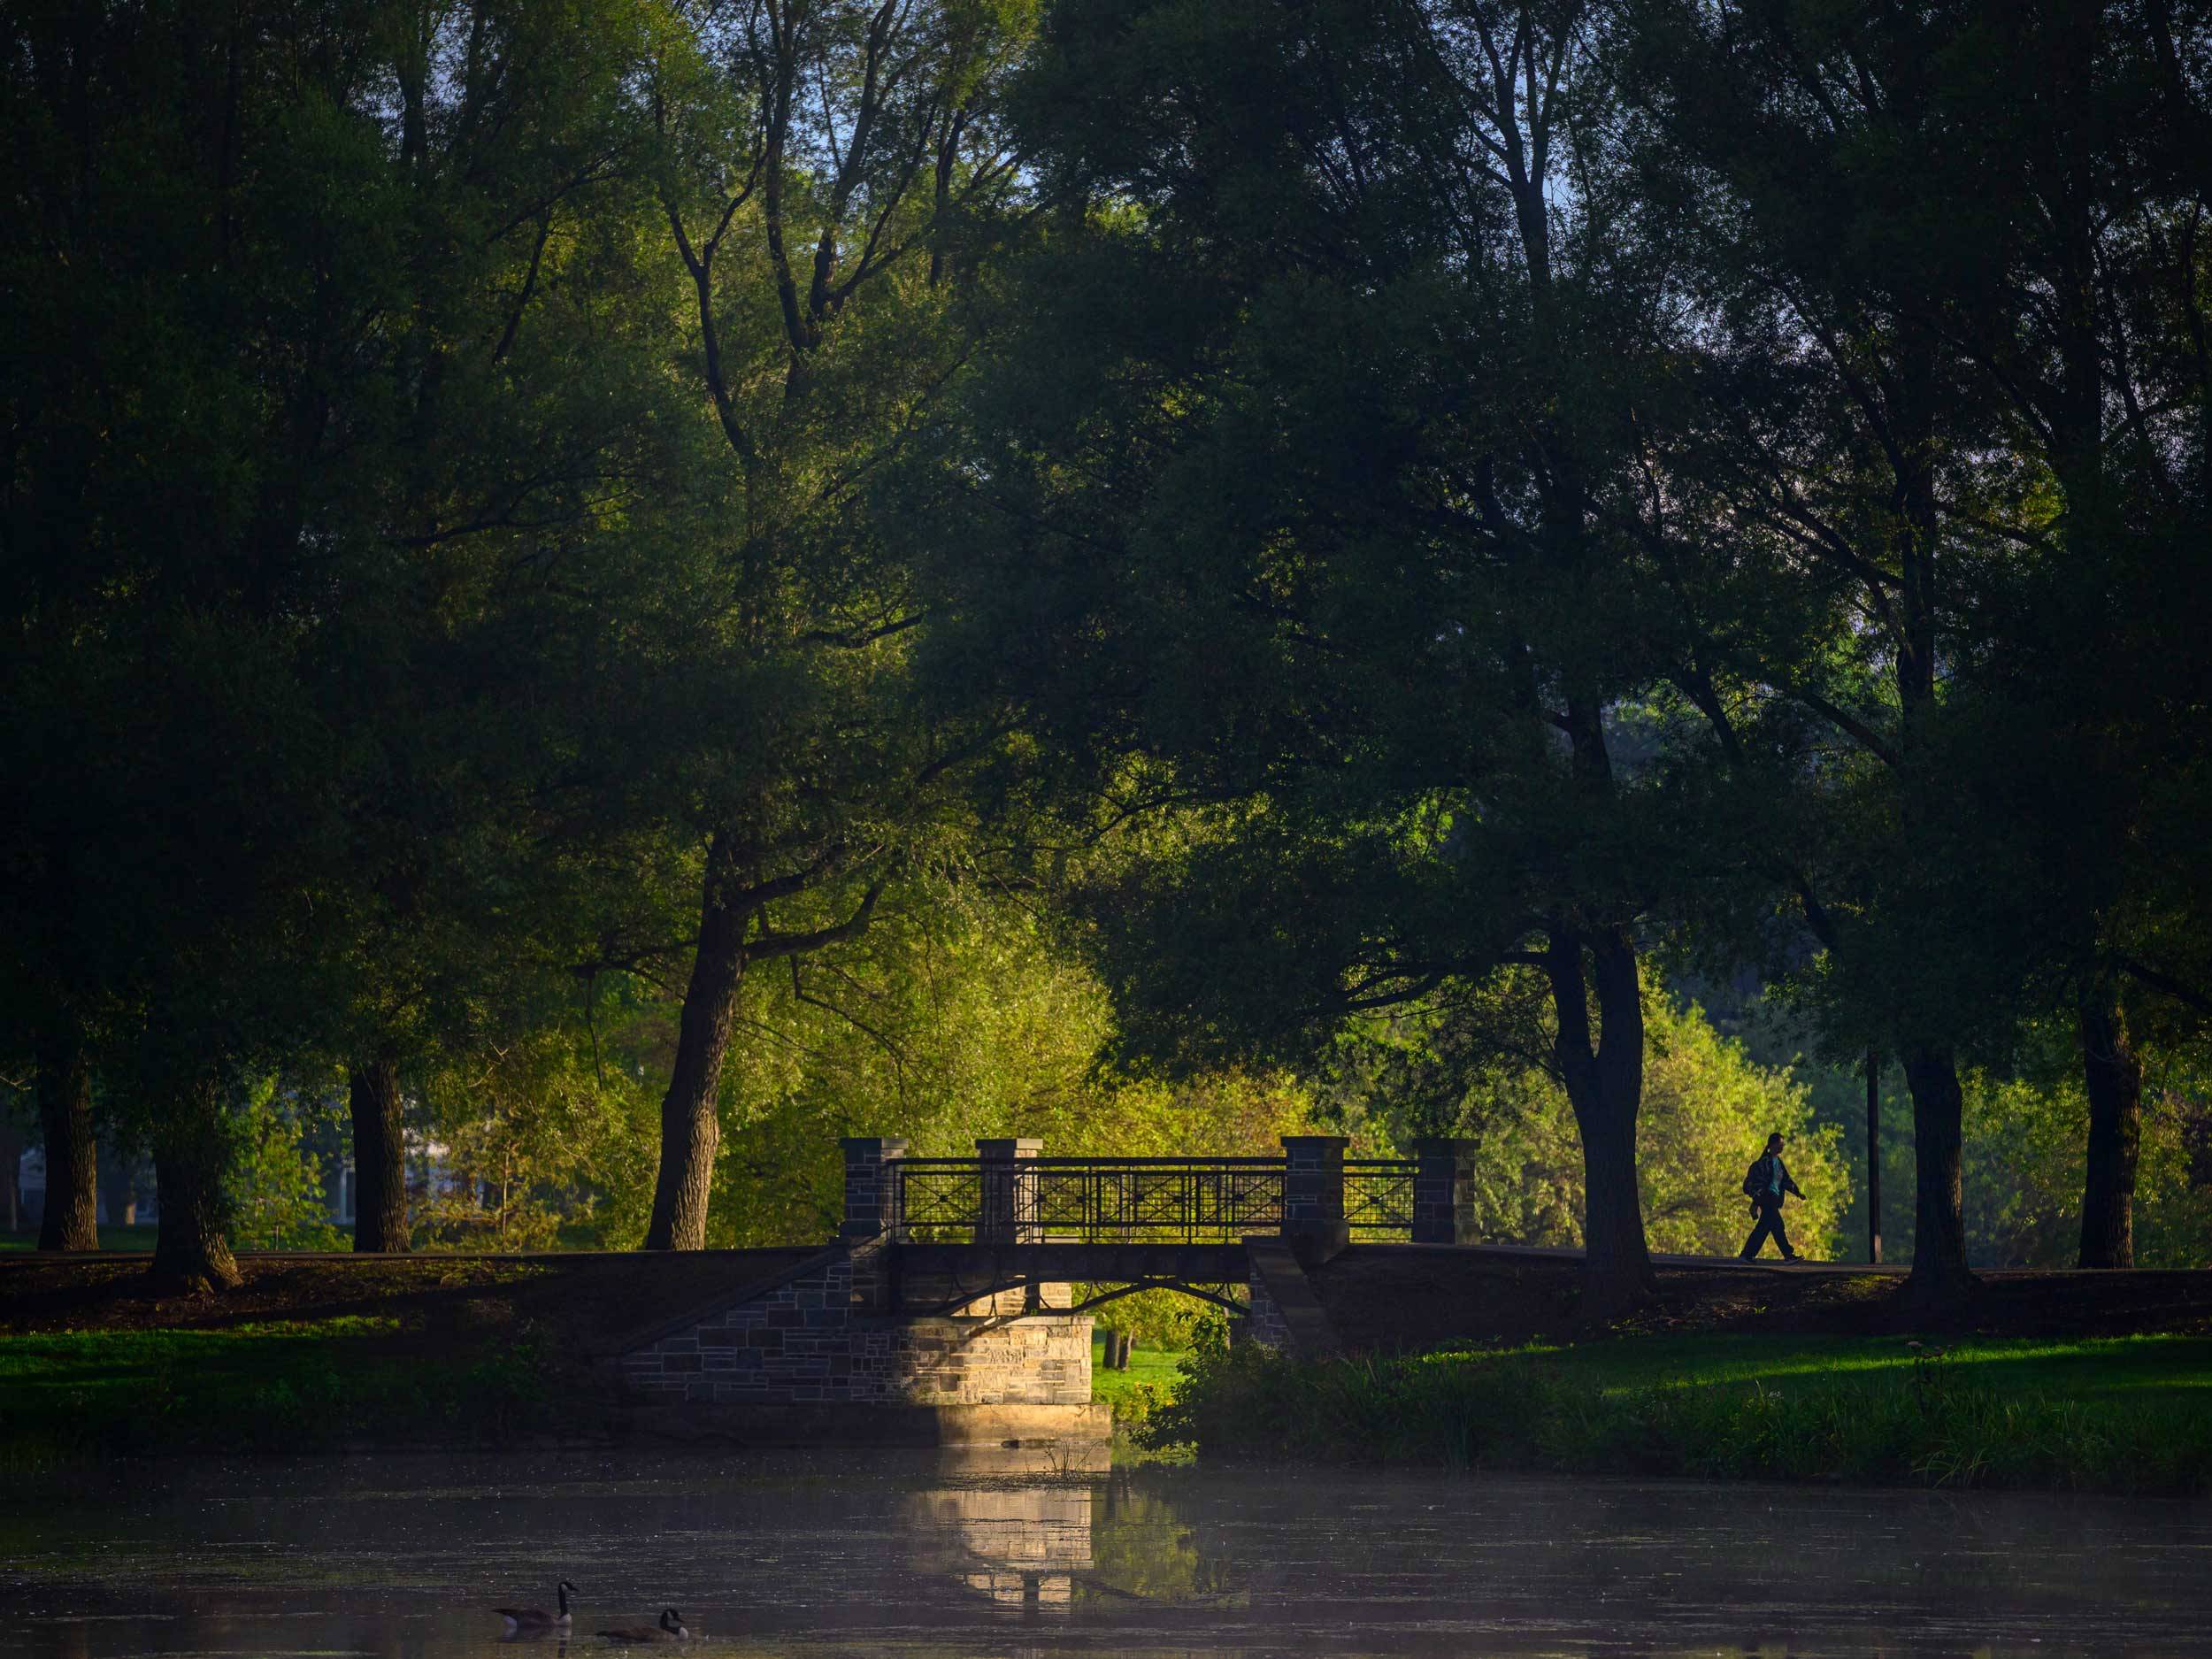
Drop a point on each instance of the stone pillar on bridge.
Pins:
(1009, 1215)
(873, 1218)
(871, 1191)
(1444, 1190)
(1313, 1196)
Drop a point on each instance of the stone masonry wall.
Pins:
(1042, 1360)
(806, 1342)
(1264, 1327)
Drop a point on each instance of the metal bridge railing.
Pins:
(1123, 1199)
(1378, 1194)
(935, 1201)
(1126, 1200)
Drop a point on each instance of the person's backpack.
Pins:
(1753, 1182)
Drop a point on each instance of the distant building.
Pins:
(428, 1176)
(130, 1196)
(127, 1194)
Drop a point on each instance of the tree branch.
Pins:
(1864, 735)
(2186, 994)
(766, 946)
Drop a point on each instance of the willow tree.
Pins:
(833, 171)
(1302, 489)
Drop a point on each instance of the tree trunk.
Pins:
(1874, 1156)
(380, 1155)
(2113, 1073)
(11, 1177)
(1939, 1276)
(191, 1160)
(1605, 1087)
(691, 1124)
(73, 1176)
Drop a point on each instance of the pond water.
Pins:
(1006, 1554)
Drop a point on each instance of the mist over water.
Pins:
(1007, 1554)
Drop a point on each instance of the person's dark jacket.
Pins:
(1760, 1180)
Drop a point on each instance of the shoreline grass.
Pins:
(2130, 1415)
(75, 1396)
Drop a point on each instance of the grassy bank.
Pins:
(318, 1353)
(2121, 1415)
(68, 1396)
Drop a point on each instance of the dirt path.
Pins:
(1378, 1296)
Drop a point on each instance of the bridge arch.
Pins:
(1240, 1309)
(1007, 1283)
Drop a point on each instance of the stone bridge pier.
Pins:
(946, 1311)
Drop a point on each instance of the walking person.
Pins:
(1768, 1179)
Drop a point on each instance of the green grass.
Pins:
(2079, 1368)
(2127, 1414)
(1157, 1369)
(66, 1396)
(139, 1240)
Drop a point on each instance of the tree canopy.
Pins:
(622, 587)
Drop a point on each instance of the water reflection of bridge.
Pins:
(1018, 1547)
(1048, 1533)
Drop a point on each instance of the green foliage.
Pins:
(2025, 1138)
(957, 1017)
(335, 462)
(1159, 1321)
(543, 1143)
(519, 514)
(1708, 1109)
(279, 1200)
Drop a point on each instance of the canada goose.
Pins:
(528, 1618)
(670, 1629)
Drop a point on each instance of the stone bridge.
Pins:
(954, 1306)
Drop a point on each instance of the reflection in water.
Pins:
(1017, 1545)
(1015, 1530)
(1013, 1554)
